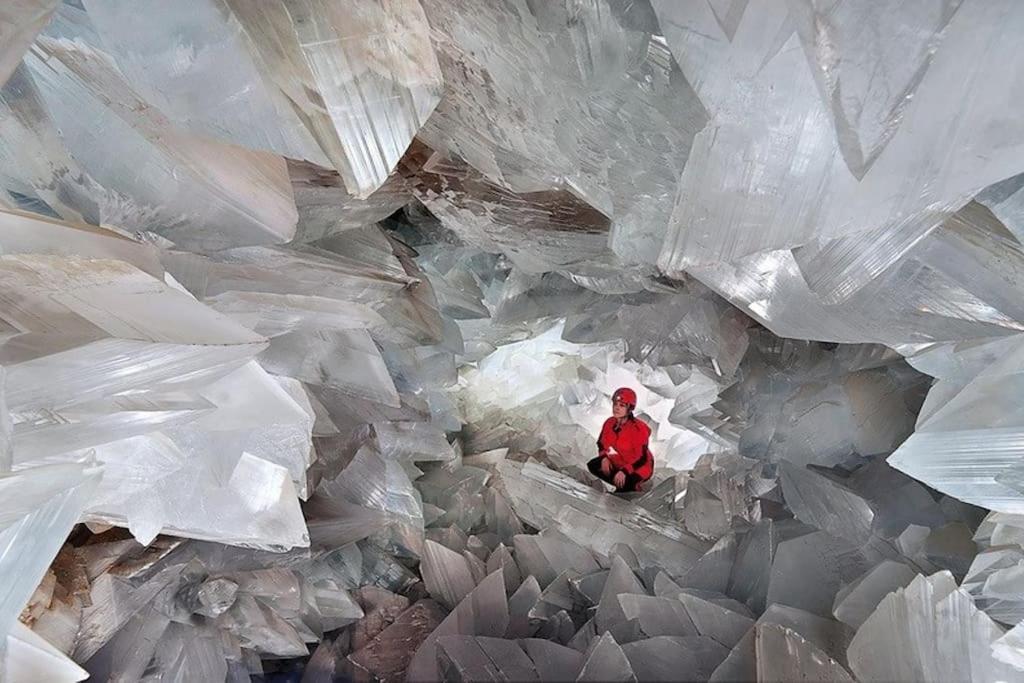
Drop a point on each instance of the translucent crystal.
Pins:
(944, 451)
(28, 657)
(855, 602)
(594, 520)
(801, 114)
(306, 80)
(221, 94)
(716, 616)
(346, 361)
(620, 581)
(483, 659)
(666, 658)
(711, 572)
(606, 662)
(808, 571)
(1010, 648)
(521, 604)
(610, 96)
(229, 195)
(446, 574)
(930, 629)
(548, 555)
(994, 579)
(657, 616)
(484, 612)
(751, 575)
(364, 77)
(930, 293)
(373, 482)
(131, 650)
(825, 504)
(831, 637)
(20, 21)
(41, 505)
(553, 662)
(493, 218)
(783, 654)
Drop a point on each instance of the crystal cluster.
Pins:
(311, 312)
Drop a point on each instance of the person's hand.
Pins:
(619, 479)
(606, 466)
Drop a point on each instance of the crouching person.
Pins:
(623, 457)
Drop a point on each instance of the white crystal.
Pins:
(928, 630)
(20, 21)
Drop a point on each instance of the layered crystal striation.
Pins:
(311, 312)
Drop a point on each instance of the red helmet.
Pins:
(626, 395)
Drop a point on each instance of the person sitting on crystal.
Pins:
(623, 459)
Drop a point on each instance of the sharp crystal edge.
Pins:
(311, 312)
(804, 110)
(901, 639)
(346, 85)
(20, 21)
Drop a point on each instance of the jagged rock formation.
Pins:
(310, 313)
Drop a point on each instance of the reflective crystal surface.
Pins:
(312, 313)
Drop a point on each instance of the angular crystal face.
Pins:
(41, 505)
(20, 21)
(813, 172)
(901, 637)
(342, 86)
(194, 192)
(311, 314)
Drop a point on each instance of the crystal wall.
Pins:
(311, 312)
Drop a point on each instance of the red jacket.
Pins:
(630, 443)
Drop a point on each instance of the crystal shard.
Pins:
(666, 658)
(831, 638)
(465, 658)
(751, 575)
(944, 452)
(309, 80)
(553, 662)
(41, 505)
(1009, 649)
(716, 616)
(855, 602)
(31, 658)
(446, 574)
(484, 612)
(847, 46)
(928, 630)
(657, 616)
(620, 581)
(520, 608)
(825, 504)
(764, 63)
(783, 655)
(594, 520)
(380, 484)
(20, 21)
(586, 132)
(606, 662)
(195, 192)
(221, 93)
(363, 76)
(493, 218)
(809, 571)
